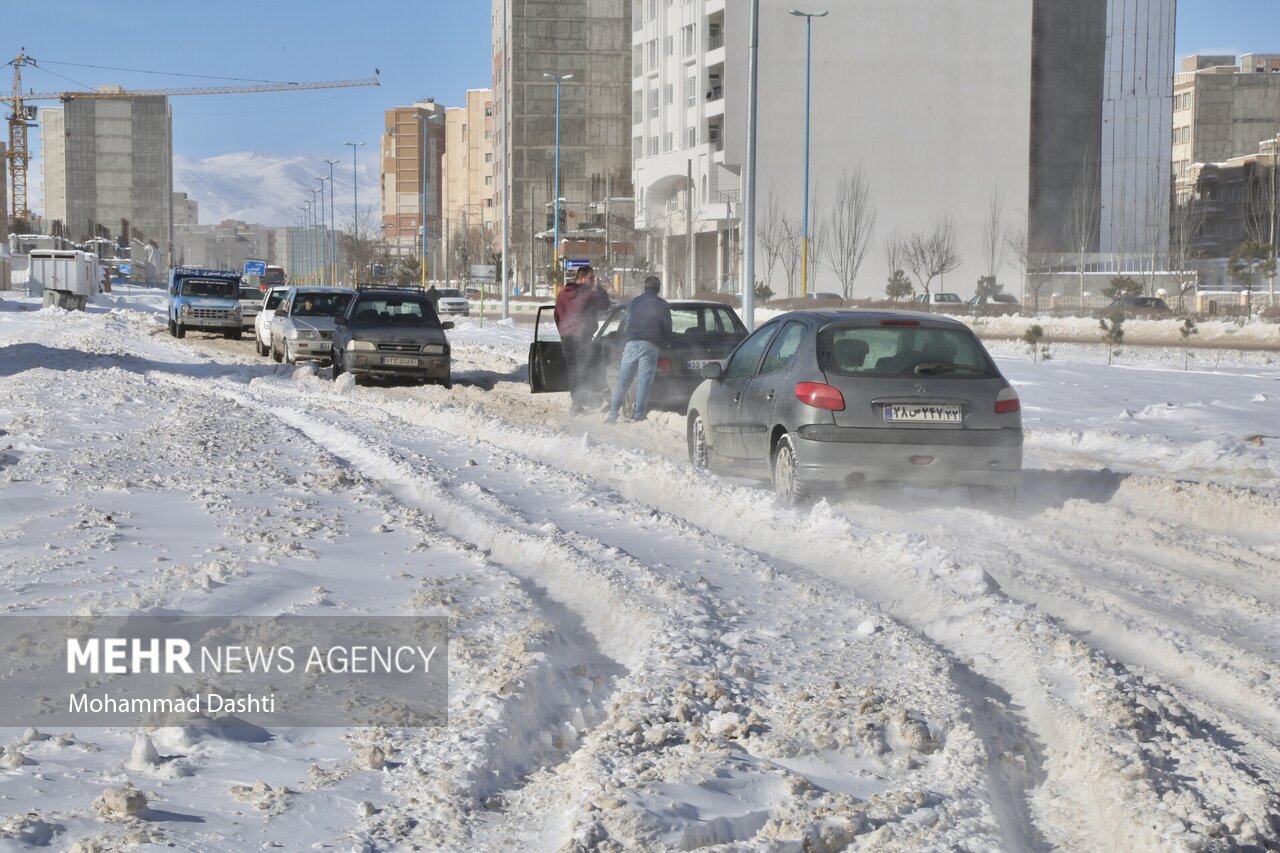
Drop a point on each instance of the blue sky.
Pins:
(437, 48)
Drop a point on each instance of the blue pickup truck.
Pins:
(204, 300)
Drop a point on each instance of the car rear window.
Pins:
(908, 350)
(250, 293)
(704, 320)
(320, 304)
(396, 311)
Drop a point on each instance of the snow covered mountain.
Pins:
(265, 188)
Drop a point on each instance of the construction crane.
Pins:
(22, 115)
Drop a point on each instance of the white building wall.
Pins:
(1137, 122)
(53, 159)
(935, 108)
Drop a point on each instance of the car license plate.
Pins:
(400, 361)
(698, 365)
(923, 413)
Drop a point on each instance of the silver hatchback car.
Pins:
(818, 400)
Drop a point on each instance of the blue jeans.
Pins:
(639, 362)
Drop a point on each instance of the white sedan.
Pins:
(302, 328)
(262, 321)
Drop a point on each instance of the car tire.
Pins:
(235, 334)
(259, 345)
(173, 329)
(275, 355)
(179, 331)
(447, 383)
(699, 452)
(786, 475)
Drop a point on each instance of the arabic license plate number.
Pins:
(399, 361)
(698, 365)
(922, 413)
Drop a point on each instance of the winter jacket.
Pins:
(578, 309)
(649, 319)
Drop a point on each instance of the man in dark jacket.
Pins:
(648, 329)
(577, 314)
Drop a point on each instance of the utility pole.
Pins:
(333, 229)
(506, 174)
(688, 229)
(608, 189)
(749, 174)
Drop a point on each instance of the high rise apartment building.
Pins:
(591, 41)
(405, 164)
(1223, 109)
(1047, 107)
(470, 216)
(108, 171)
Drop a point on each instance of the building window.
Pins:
(693, 137)
(666, 142)
(670, 94)
(653, 146)
(690, 43)
(637, 147)
(691, 91)
(488, 180)
(653, 54)
(669, 46)
(653, 102)
(488, 157)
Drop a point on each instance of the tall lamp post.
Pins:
(808, 72)
(304, 241)
(355, 211)
(555, 209)
(324, 237)
(333, 229)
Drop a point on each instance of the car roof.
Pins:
(386, 292)
(317, 289)
(836, 315)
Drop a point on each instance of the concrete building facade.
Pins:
(590, 40)
(1043, 107)
(1223, 108)
(4, 198)
(470, 216)
(108, 171)
(403, 168)
(186, 210)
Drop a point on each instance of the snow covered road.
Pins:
(643, 656)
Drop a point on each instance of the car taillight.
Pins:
(820, 396)
(1007, 402)
(664, 365)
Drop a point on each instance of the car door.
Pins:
(547, 369)
(607, 345)
(768, 388)
(277, 321)
(725, 394)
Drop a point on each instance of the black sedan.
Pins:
(393, 334)
(702, 332)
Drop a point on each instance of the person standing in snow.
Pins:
(577, 314)
(648, 329)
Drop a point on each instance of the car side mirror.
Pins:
(447, 325)
(714, 370)
(339, 320)
(173, 291)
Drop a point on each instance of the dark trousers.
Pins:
(583, 388)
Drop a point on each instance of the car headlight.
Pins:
(186, 310)
(435, 349)
(301, 335)
(360, 346)
(234, 313)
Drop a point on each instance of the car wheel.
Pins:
(173, 329)
(235, 334)
(275, 354)
(179, 331)
(786, 476)
(261, 347)
(699, 453)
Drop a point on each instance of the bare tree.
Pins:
(769, 233)
(994, 244)
(894, 252)
(789, 252)
(851, 224)
(929, 254)
(1187, 218)
(1158, 224)
(818, 235)
(1081, 227)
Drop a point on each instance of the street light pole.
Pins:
(333, 229)
(355, 211)
(305, 241)
(748, 282)
(324, 237)
(555, 187)
(808, 76)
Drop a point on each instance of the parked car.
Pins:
(1154, 304)
(250, 303)
(939, 299)
(205, 300)
(393, 334)
(702, 332)
(266, 312)
(832, 299)
(450, 301)
(302, 328)
(817, 400)
(996, 303)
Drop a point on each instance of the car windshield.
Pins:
(274, 299)
(449, 291)
(395, 312)
(704, 320)
(209, 287)
(945, 297)
(250, 293)
(320, 304)
(890, 350)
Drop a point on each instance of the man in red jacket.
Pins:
(577, 314)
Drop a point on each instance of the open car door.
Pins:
(547, 369)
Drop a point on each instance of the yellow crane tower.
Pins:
(22, 115)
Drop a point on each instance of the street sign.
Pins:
(572, 264)
(485, 271)
(252, 267)
(126, 269)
